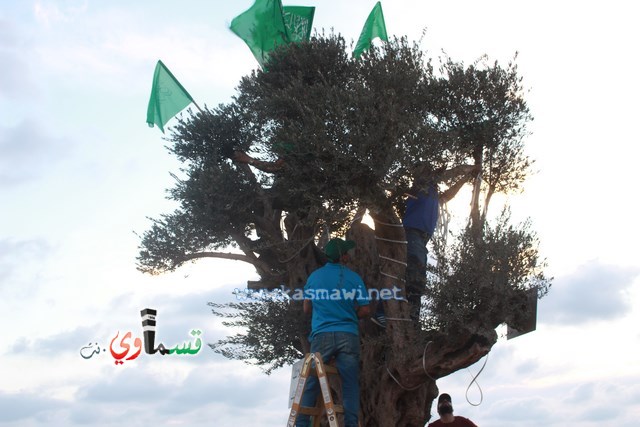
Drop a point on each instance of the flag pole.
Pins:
(197, 106)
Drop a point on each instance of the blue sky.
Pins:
(80, 172)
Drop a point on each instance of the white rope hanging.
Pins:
(444, 216)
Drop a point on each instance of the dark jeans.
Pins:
(345, 347)
(416, 273)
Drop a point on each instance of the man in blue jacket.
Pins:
(336, 298)
(420, 220)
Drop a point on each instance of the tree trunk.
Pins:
(398, 375)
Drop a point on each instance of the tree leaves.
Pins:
(347, 135)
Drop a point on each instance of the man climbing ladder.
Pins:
(334, 326)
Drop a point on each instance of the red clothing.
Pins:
(457, 422)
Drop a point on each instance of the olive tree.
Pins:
(331, 137)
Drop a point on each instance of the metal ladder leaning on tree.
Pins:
(325, 401)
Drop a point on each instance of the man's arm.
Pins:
(307, 307)
(264, 166)
(468, 170)
(363, 311)
(458, 170)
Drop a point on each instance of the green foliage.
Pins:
(350, 134)
(481, 105)
(171, 239)
(479, 282)
(273, 330)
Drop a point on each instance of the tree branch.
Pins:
(264, 166)
(260, 266)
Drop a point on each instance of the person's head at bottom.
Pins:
(445, 410)
(445, 407)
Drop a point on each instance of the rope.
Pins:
(386, 223)
(403, 242)
(392, 276)
(297, 252)
(391, 259)
(424, 361)
(424, 366)
(356, 219)
(444, 217)
(398, 382)
(466, 394)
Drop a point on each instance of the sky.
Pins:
(81, 172)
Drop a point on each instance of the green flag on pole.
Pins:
(374, 27)
(299, 20)
(168, 97)
(262, 28)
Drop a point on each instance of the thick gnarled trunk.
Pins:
(398, 375)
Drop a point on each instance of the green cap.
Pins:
(338, 247)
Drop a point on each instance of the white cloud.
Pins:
(17, 407)
(512, 400)
(16, 78)
(49, 13)
(21, 267)
(28, 152)
(595, 292)
(151, 393)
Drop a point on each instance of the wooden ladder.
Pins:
(325, 401)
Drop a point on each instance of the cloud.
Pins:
(177, 316)
(20, 263)
(532, 403)
(49, 14)
(595, 292)
(27, 152)
(532, 411)
(212, 383)
(156, 393)
(64, 342)
(15, 79)
(21, 406)
(601, 412)
(125, 385)
(595, 401)
(581, 393)
(528, 367)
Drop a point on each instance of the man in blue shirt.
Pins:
(420, 220)
(336, 298)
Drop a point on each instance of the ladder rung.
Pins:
(329, 369)
(305, 410)
(319, 410)
(325, 402)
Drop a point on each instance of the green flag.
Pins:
(262, 28)
(374, 27)
(168, 97)
(298, 20)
